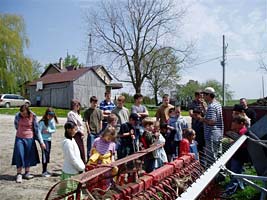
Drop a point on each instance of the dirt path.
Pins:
(37, 187)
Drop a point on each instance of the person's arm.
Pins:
(16, 121)
(40, 137)
(36, 131)
(210, 118)
(51, 126)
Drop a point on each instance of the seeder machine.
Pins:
(184, 178)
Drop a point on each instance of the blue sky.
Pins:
(57, 26)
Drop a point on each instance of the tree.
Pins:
(166, 72)
(132, 30)
(37, 69)
(15, 67)
(71, 60)
(187, 91)
(218, 88)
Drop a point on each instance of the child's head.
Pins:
(93, 101)
(70, 129)
(157, 126)
(120, 101)
(172, 112)
(133, 119)
(148, 124)
(189, 134)
(238, 110)
(178, 110)
(163, 127)
(238, 123)
(138, 98)
(49, 114)
(109, 134)
(112, 120)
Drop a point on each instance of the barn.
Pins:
(57, 86)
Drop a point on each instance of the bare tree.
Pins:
(132, 30)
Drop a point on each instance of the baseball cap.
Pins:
(209, 90)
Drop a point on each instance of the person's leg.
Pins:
(28, 143)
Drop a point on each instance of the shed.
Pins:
(56, 88)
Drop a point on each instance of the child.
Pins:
(146, 140)
(188, 144)
(178, 126)
(73, 164)
(169, 136)
(240, 157)
(160, 154)
(47, 126)
(103, 148)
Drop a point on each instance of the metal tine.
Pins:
(209, 153)
(206, 161)
(225, 147)
(208, 157)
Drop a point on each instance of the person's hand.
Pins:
(43, 146)
(133, 137)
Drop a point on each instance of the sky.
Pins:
(56, 27)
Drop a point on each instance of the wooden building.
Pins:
(57, 86)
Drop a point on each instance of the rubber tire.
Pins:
(7, 105)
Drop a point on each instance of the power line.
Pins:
(206, 61)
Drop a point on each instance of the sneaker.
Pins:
(46, 174)
(28, 176)
(19, 178)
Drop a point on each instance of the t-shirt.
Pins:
(163, 113)
(125, 128)
(122, 114)
(196, 124)
(214, 112)
(93, 116)
(104, 105)
(184, 147)
(104, 147)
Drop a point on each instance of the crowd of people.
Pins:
(114, 132)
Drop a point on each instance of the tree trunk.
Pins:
(156, 97)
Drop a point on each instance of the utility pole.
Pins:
(223, 66)
(263, 87)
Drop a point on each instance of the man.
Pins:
(121, 112)
(162, 113)
(249, 111)
(198, 106)
(93, 121)
(106, 106)
(213, 123)
(127, 136)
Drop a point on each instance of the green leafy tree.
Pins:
(165, 73)
(15, 67)
(218, 88)
(188, 90)
(71, 60)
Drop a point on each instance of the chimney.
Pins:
(61, 63)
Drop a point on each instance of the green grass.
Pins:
(39, 111)
(236, 101)
(249, 193)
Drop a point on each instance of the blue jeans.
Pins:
(90, 140)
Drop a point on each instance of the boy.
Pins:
(93, 121)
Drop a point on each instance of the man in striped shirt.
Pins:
(213, 123)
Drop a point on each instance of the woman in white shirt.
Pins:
(75, 117)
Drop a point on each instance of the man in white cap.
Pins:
(213, 123)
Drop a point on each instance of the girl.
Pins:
(188, 144)
(47, 126)
(159, 154)
(103, 149)
(25, 152)
(75, 117)
(73, 164)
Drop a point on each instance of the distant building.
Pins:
(57, 85)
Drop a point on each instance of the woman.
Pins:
(75, 117)
(25, 152)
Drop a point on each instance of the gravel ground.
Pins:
(37, 187)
